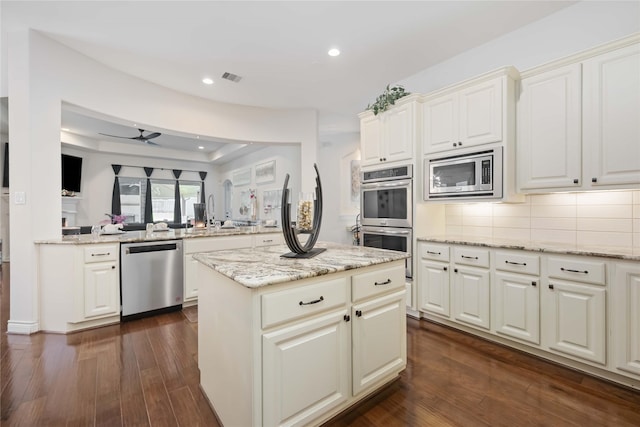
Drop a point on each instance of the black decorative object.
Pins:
(291, 233)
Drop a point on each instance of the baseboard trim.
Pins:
(22, 328)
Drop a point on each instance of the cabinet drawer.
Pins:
(377, 282)
(518, 263)
(269, 239)
(303, 301)
(468, 256)
(434, 252)
(101, 253)
(208, 244)
(577, 270)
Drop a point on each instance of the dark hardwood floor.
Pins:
(144, 373)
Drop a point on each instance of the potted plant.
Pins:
(387, 99)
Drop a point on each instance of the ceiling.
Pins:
(278, 48)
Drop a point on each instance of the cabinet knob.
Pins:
(534, 284)
(455, 144)
(576, 181)
(347, 317)
(455, 270)
(444, 268)
(550, 286)
(358, 313)
(460, 143)
(594, 179)
(113, 267)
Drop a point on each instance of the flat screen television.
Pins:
(71, 173)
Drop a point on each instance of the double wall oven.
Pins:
(386, 210)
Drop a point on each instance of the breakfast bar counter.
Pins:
(285, 341)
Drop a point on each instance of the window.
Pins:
(132, 199)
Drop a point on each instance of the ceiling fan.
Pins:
(141, 137)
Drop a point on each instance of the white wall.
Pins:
(98, 176)
(287, 162)
(334, 154)
(42, 74)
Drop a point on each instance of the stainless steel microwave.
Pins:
(470, 175)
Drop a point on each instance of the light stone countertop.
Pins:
(263, 266)
(623, 253)
(143, 236)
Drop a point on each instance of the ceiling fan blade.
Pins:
(150, 142)
(116, 136)
(153, 135)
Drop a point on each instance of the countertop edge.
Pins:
(626, 254)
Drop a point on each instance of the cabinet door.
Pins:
(612, 117)
(481, 114)
(379, 340)
(305, 369)
(549, 151)
(434, 287)
(371, 141)
(471, 296)
(576, 320)
(440, 124)
(399, 130)
(626, 318)
(518, 306)
(190, 278)
(101, 289)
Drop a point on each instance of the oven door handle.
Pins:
(385, 231)
(386, 184)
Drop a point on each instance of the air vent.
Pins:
(233, 77)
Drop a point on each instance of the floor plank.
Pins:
(145, 373)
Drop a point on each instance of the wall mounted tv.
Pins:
(71, 172)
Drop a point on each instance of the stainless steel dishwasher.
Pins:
(150, 276)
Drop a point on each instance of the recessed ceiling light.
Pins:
(207, 81)
(334, 52)
(200, 147)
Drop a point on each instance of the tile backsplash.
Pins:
(610, 218)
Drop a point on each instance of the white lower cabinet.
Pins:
(471, 296)
(575, 320)
(626, 318)
(434, 287)
(305, 369)
(379, 340)
(79, 286)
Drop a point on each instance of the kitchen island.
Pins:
(286, 341)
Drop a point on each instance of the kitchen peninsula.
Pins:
(286, 341)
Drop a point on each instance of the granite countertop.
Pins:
(143, 236)
(263, 266)
(624, 253)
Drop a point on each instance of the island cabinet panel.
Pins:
(379, 340)
(305, 369)
(626, 318)
(304, 301)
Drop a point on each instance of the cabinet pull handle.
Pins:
(386, 282)
(444, 268)
(576, 181)
(550, 286)
(574, 271)
(434, 253)
(594, 179)
(315, 301)
(515, 263)
(358, 313)
(347, 317)
(267, 241)
(534, 284)
(104, 254)
(468, 257)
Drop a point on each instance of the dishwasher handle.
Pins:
(151, 248)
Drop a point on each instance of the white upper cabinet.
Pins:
(549, 129)
(612, 118)
(579, 122)
(390, 136)
(472, 113)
